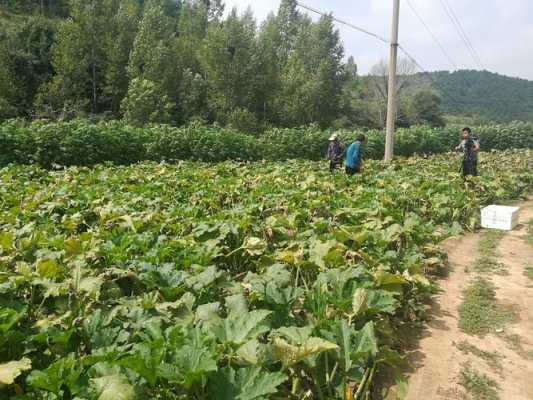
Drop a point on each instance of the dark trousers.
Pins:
(469, 167)
(333, 165)
(352, 171)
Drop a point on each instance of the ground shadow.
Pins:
(409, 337)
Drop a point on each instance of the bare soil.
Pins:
(435, 360)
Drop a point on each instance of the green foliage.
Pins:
(427, 108)
(80, 142)
(479, 314)
(493, 359)
(146, 103)
(64, 59)
(528, 273)
(516, 343)
(231, 61)
(488, 246)
(479, 386)
(223, 281)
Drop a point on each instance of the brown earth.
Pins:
(435, 361)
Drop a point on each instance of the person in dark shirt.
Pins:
(354, 156)
(335, 152)
(470, 147)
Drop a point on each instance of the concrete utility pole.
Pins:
(391, 96)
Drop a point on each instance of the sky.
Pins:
(501, 31)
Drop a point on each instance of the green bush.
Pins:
(80, 142)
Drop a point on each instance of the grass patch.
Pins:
(479, 386)
(515, 343)
(529, 236)
(492, 358)
(489, 242)
(489, 265)
(479, 314)
(528, 272)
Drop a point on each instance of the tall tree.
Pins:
(118, 46)
(288, 26)
(153, 58)
(25, 62)
(378, 87)
(230, 64)
(312, 81)
(427, 106)
(79, 59)
(8, 90)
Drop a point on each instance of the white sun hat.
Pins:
(333, 137)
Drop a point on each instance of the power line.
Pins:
(374, 35)
(446, 54)
(454, 15)
(428, 74)
(413, 60)
(458, 27)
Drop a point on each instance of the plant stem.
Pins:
(360, 389)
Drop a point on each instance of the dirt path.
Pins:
(436, 362)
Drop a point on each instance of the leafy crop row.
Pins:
(82, 143)
(223, 282)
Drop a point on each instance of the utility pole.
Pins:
(391, 97)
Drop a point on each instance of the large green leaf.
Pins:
(365, 341)
(319, 252)
(236, 304)
(145, 360)
(114, 387)
(237, 329)
(254, 246)
(344, 334)
(189, 364)
(290, 354)
(359, 301)
(7, 240)
(65, 371)
(48, 269)
(295, 335)
(9, 318)
(251, 352)
(381, 301)
(245, 384)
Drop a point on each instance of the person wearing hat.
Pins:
(354, 156)
(335, 152)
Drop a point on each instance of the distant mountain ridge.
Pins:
(486, 94)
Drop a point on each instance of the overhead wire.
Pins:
(427, 74)
(461, 32)
(376, 36)
(454, 15)
(380, 38)
(439, 44)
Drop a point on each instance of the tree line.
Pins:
(178, 61)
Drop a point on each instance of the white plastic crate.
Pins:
(500, 217)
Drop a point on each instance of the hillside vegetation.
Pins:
(485, 94)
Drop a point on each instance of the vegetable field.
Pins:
(227, 281)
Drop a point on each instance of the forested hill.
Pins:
(486, 94)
